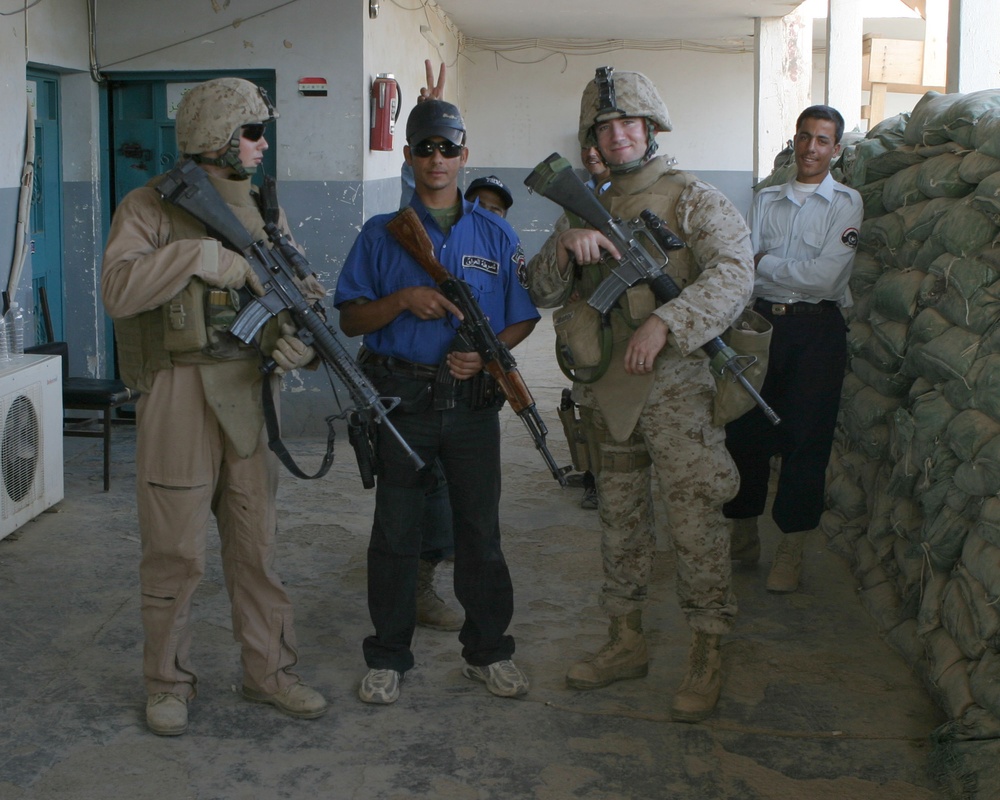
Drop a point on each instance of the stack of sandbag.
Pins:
(913, 489)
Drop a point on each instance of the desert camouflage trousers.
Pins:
(674, 441)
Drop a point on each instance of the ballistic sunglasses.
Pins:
(253, 132)
(426, 148)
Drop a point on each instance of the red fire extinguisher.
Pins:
(384, 111)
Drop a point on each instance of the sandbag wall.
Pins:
(913, 486)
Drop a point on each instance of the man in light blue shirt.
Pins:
(804, 234)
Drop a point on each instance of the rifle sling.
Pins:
(277, 446)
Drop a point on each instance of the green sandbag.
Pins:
(956, 618)
(987, 133)
(980, 475)
(930, 212)
(871, 196)
(903, 188)
(890, 384)
(987, 198)
(987, 524)
(964, 115)
(977, 313)
(927, 120)
(887, 164)
(866, 270)
(964, 230)
(966, 275)
(968, 432)
(894, 295)
(986, 391)
(939, 177)
(944, 536)
(945, 357)
(928, 324)
(977, 166)
(931, 415)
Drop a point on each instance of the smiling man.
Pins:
(805, 233)
(652, 407)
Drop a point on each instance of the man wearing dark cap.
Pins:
(409, 333)
(492, 195)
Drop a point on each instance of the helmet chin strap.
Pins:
(231, 158)
(632, 166)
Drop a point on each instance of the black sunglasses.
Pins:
(253, 132)
(426, 148)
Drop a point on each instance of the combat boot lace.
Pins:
(432, 611)
(699, 691)
(745, 541)
(623, 656)
(786, 571)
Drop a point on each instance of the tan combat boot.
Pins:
(432, 611)
(745, 542)
(624, 656)
(700, 689)
(787, 567)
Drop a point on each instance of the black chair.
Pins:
(101, 395)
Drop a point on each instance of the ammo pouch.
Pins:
(750, 337)
(583, 341)
(197, 320)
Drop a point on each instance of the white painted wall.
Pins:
(519, 113)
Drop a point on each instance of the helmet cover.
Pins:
(210, 115)
(620, 94)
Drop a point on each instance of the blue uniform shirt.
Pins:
(481, 249)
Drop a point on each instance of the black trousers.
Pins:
(805, 374)
(467, 443)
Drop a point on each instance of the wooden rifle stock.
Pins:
(408, 230)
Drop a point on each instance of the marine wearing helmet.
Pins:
(212, 116)
(624, 94)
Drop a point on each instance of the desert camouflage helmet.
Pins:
(612, 95)
(210, 115)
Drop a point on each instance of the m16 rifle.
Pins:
(187, 186)
(475, 332)
(644, 246)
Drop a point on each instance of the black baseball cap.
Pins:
(435, 118)
(493, 183)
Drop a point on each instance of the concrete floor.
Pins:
(815, 706)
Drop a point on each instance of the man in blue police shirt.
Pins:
(409, 327)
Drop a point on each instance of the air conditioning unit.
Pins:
(31, 443)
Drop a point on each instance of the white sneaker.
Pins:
(380, 686)
(502, 678)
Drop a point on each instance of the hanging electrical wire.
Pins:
(20, 10)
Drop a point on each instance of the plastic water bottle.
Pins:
(4, 345)
(15, 330)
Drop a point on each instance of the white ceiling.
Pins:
(611, 19)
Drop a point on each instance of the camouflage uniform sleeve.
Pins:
(547, 287)
(720, 243)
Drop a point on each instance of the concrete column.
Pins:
(973, 46)
(844, 32)
(782, 84)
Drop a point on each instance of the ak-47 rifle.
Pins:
(277, 267)
(644, 246)
(475, 332)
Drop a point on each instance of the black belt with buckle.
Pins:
(398, 366)
(788, 309)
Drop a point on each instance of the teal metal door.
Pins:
(142, 110)
(46, 238)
